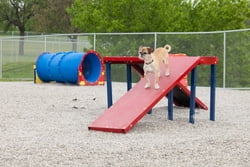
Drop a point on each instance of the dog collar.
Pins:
(149, 62)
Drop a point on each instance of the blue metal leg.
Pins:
(170, 104)
(109, 84)
(150, 111)
(192, 97)
(212, 92)
(129, 77)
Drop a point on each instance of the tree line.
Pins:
(70, 16)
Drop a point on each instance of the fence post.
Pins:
(94, 41)
(224, 59)
(45, 43)
(1, 59)
(155, 43)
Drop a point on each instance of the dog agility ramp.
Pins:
(138, 101)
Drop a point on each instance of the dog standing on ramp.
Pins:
(152, 62)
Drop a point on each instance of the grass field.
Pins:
(18, 71)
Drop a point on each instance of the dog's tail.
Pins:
(167, 47)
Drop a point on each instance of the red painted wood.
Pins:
(136, 60)
(130, 108)
(122, 59)
(209, 60)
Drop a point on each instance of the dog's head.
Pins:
(143, 51)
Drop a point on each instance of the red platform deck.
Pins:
(131, 107)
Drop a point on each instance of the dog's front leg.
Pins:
(157, 76)
(147, 85)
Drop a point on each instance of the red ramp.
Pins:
(181, 95)
(131, 107)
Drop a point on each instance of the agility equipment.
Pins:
(181, 96)
(70, 67)
(121, 116)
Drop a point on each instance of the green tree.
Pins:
(129, 15)
(158, 15)
(17, 13)
(248, 20)
(51, 17)
(214, 15)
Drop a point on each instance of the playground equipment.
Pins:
(181, 96)
(121, 116)
(70, 67)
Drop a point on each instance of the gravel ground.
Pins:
(47, 125)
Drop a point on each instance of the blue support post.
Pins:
(192, 97)
(150, 111)
(129, 77)
(212, 92)
(170, 104)
(109, 84)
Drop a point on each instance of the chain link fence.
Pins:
(17, 55)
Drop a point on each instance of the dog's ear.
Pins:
(140, 47)
(150, 50)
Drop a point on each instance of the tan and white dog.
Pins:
(152, 62)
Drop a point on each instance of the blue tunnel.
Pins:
(67, 67)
